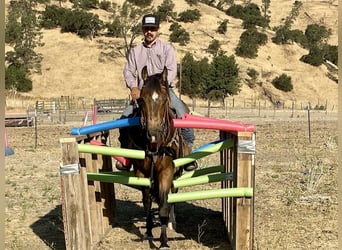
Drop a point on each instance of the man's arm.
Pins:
(130, 74)
(171, 64)
(130, 70)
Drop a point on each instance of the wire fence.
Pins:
(68, 109)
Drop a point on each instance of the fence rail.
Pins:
(115, 106)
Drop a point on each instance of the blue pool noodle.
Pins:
(119, 123)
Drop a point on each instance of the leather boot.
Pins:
(121, 167)
(192, 165)
(123, 137)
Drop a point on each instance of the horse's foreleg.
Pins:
(172, 213)
(147, 201)
(164, 218)
(165, 180)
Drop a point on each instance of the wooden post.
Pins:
(88, 206)
(244, 206)
(76, 213)
(238, 213)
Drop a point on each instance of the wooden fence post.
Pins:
(76, 213)
(238, 213)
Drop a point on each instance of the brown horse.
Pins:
(162, 144)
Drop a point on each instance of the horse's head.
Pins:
(155, 105)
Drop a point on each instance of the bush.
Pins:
(82, 23)
(113, 28)
(179, 34)
(283, 82)
(314, 58)
(164, 10)
(251, 21)
(52, 17)
(105, 5)
(16, 78)
(85, 4)
(192, 2)
(236, 11)
(253, 74)
(246, 49)
(214, 47)
(222, 28)
(315, 34)
(249, 43)
(250, 14)
(189, 16)
(331, 53)
(141, 3)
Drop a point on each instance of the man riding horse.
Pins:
(155, 54)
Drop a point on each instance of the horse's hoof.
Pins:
(171, 226)
(164, 248)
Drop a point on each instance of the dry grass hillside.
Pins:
(78, 67)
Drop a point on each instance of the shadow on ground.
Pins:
(50, 229)
(202, 225)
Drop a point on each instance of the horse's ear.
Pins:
(144, 73)
(164, 75)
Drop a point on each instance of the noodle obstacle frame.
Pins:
(87, 178)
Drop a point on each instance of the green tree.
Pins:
(189, 76)
(127, 20)
(23, 33)
(223, 78)
(16, 79)
(52, 16)
(316, 35)
(266, 8)
(210, 81)
(194, 76)
(297, 5)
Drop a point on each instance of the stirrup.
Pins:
(191, 166)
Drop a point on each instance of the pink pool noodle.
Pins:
(192, 121)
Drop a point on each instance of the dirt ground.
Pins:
(295, 195)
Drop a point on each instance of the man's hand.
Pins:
(135, 93)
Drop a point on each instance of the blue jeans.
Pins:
(180, 109)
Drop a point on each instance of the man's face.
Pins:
(150, 33)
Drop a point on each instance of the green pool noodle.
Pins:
(113, 151)
(110, 178)
(205, 152)
(201, 180)
(210, 194)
